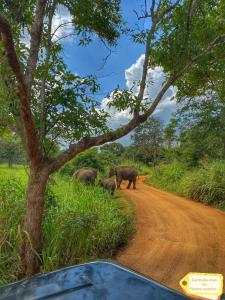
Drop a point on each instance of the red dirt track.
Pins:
(174, 236)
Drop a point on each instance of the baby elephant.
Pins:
(86, 175)
(108, 184)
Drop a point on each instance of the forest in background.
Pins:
(187, 156)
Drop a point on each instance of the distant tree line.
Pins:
(11, 150)
(195, 132)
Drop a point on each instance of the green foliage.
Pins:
(115, 148)
(86, 223)
(147, 141)
(123, 99)
(64, 104)
(95, 16)
(70, 109)
(198, 130)
(101, 17)
(11, 150)
(89, 158)
(81, 223)
(170, 134)
(101, 159)
(205, 183)
(12, 205)
(184, 35)
(166, 176)
(112, 154)
(18, 11)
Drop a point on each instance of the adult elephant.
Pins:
(86, 175)
(124, 173)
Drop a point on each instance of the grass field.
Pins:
(81, 223)
(205, 183)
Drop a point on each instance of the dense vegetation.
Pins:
(205, 183)
(81, 223)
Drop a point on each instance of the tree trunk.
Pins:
(10, 163)
(32, 244)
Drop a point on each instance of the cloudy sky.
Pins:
(123, 67)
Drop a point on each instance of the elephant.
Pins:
(108, 184)
(124, 173)
(86, 175)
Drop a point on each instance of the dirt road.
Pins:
(174, 236)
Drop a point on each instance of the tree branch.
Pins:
(36, 34)
(48, 47)
(64, 37)
(88, 142)
(190, 14)
(25, 111)
(217, 41)
(61, 25)
(145, 69)
(161, 15)
(156, 18)
(153, 10)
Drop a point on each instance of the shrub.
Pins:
(166, 176)
(205, 183)
(89, 158)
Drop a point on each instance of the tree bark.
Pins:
(32, 243)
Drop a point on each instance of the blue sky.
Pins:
(123, 67)
(90, 59)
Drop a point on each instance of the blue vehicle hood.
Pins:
(97, 280)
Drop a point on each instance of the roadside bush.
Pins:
(89, 158)
(166, 176)
(205, 183)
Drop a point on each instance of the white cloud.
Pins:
(117, 118)
(62, 24)
(61, 27)
(155, 80)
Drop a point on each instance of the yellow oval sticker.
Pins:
(206, 285)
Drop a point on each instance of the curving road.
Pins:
(174, 236)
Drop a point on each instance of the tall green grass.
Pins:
(205, 183)
(167, 176)
(12, 192)
(85, 223)
(81, 223)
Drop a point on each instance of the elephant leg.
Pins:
(119, 183)
(129, 184)
(134, 183)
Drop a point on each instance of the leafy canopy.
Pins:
(64, 104)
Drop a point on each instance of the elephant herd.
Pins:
(88, 175)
